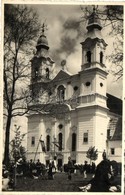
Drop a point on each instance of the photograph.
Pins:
(62, 97)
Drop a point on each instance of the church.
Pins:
(70, 113)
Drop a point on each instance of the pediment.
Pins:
(62, 75)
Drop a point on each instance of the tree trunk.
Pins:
(7, 139)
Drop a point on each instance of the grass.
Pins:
(59, 184)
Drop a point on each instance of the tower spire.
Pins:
(42, 41)
(93, 20)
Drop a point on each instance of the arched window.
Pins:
(47, 73)
(74, 142)
(88, 56)
(36, 72)
(60, 141)
(61, 92)
(47, 143)
(101, 57)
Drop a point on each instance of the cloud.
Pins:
(70, 37)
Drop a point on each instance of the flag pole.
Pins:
(37, 148)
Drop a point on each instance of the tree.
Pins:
(17, 150)
(111, 17)
(21, 27)
(92, 153)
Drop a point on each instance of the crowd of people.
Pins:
(26, 169)
(30, 169)
(102, 180)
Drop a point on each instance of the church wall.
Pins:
(33, 131)
(100, 135)
(85, 90)
(85, 125)
(100, 84)
(69, 85)
(117, 146)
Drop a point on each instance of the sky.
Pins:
(65, 30)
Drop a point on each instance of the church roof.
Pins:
(94, 30)
(42, 41)
(114, 104)
(63, 74)
(115, 126)
(94, 22)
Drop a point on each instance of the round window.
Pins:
(75, 88)
(101, 84)
(60, 126)
(88, 84)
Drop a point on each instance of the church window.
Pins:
(48, 143)
(60, 141)
(75, 88)
(33, 141)
(85, 138)
(101, 84)
(87, 84)
(113, 151)
(88, 56)
(74, 142)
(60, 126)
(101, 57)
(47, 73)
(61, 93)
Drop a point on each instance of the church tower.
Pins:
(93, 68)
(41, 66)
(41, 76)
(92, 109)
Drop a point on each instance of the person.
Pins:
(7, 181)
(85, 167)
(102, 179)
(104, 156)
(93, 168)
(38, 167)
(50, 173)
(24, 168)
(70, 168)
(31, 166)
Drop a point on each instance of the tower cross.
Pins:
(44, 27)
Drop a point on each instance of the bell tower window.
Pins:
(101, 57)
(47, 73)
(61, 92)
(89, 56)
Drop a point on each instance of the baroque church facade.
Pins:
(70, 113)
